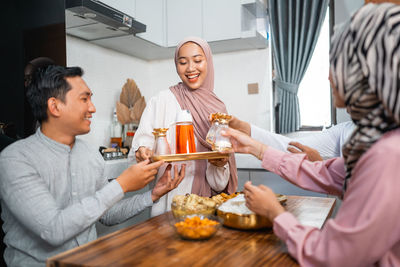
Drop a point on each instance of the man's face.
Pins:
(192, 65)
(77, 110)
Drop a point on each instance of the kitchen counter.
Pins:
(113, 168)
(155, 243)
(246, 161)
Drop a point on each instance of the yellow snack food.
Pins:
(196, 227)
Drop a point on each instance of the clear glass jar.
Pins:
(219, 142)
(161, 146)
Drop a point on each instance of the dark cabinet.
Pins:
(30, 29)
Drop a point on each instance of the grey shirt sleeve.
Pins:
(28, 198)
(127, 208)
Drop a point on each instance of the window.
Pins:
(314, 91)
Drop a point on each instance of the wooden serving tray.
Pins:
(192, 156)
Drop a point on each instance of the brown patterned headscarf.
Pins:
(365, 68)
(201, 103)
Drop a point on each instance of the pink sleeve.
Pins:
(366, 229)
(320, 176)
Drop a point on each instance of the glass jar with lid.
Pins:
(218, 141)
(161, 146)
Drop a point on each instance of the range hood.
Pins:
(93, 20)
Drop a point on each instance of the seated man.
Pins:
(51, 183)
(317, 146)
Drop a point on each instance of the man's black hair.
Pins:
(49, 82)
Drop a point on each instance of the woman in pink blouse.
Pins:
(365, 77)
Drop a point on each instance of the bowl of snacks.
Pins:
(235, 214)
(196, 227)
(189, 204)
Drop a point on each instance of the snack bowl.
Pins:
(244, 221)
(180, 212)
(235, 214)
(196, 226)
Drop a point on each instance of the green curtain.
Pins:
(295, 27)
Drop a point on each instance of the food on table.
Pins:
(221, 198)
(235, 214)
(236, 205)
(192, 204)
(196, 227)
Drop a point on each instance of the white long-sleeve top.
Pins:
(328, 143)
(160, 112)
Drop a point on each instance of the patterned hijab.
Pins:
(201, 103)
(365, 68)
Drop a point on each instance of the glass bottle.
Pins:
(161, 146)
(116, 131)
(184, 134)
(221, 143)
(129, 133)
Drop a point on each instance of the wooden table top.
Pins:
(155, 243)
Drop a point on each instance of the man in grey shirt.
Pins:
(52, 184)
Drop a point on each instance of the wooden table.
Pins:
(155, 243)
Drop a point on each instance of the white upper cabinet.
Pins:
(184, 18)
(228, 25)
(152, 14)
(221, 20)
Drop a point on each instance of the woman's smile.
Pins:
(192, 78)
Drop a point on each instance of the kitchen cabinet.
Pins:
(228, 25)
(152, 14)
(239, 24)
(221, 20)
(184, 18)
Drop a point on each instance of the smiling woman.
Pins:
(194, 65)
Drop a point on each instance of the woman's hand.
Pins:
(166, 184)
(143, 153)
(243, 143)
(262, 201)
(218, 162)
(312, 154)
